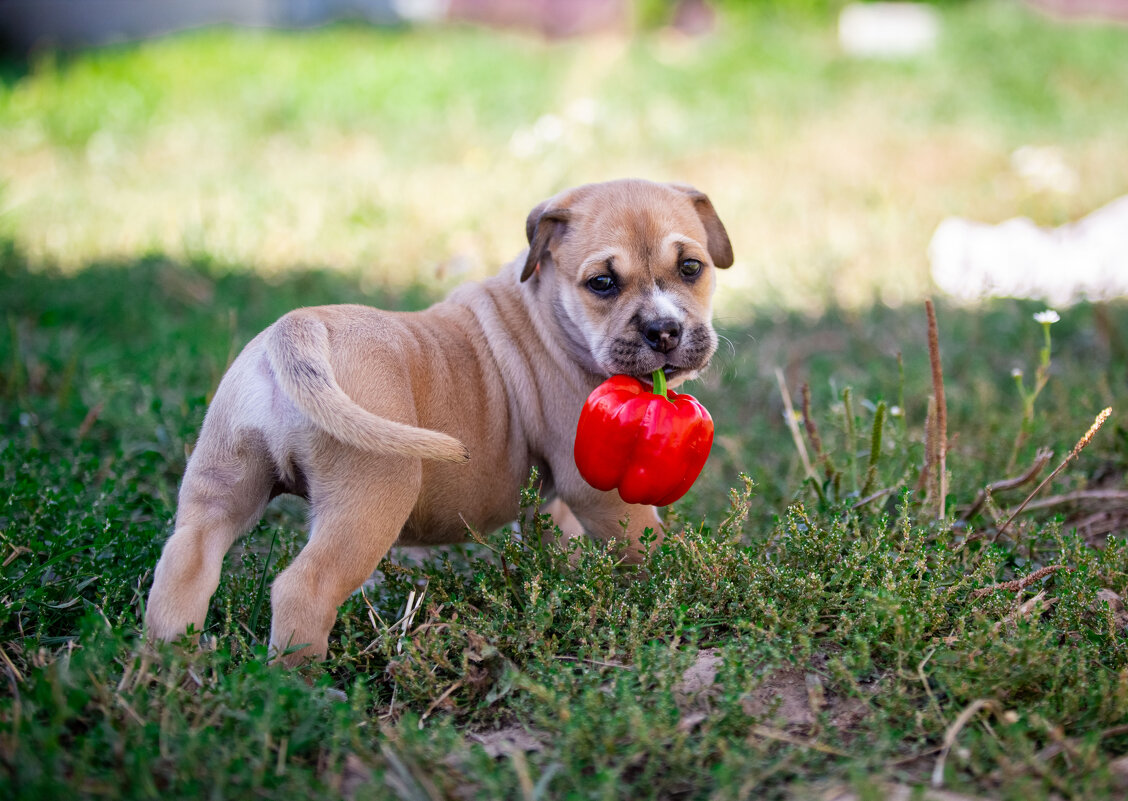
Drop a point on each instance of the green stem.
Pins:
(253, 626)
(659, 379)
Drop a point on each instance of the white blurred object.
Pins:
(550, 130)
(1044, 169)
(528, 142)
(1085, 260)
(421, 10)
(888, 30)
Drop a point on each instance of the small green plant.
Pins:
(1041, 377)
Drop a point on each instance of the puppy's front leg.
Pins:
(565, 519)
(605, 515)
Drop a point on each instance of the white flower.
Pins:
(548, 128)
(583, 110)
(1016, 372)
(1047, 317)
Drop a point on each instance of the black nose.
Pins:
(662, 335)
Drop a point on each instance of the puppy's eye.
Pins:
(601, 284)
(689, 267)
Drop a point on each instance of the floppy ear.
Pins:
(542, 224)
(717, 238)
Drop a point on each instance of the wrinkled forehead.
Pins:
(646, 220)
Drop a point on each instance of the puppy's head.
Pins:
(629, 268)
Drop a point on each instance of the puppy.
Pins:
(408, 427)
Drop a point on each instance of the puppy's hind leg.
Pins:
(226, 488)
(358, 511)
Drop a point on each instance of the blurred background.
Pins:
(404, 141)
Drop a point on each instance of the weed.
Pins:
(1041, 376)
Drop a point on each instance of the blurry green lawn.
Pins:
(414, 156)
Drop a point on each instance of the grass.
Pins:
(582, 669)
(790, 642)
(414, 156)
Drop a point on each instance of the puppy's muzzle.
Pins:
(662, 335)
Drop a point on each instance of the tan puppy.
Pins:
(408, 427)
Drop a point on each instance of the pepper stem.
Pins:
(659, 379)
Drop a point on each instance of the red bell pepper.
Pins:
(650, 446)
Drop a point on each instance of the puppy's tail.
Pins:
(298, 349)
